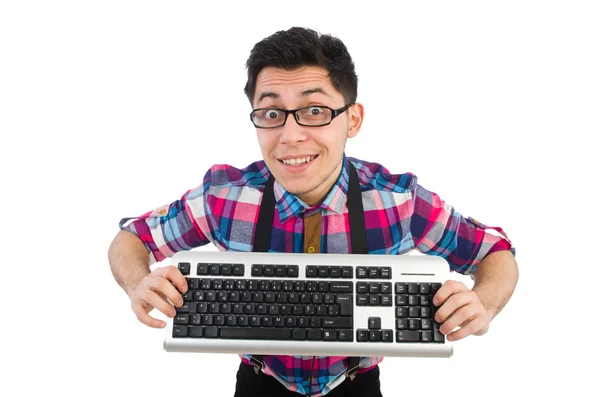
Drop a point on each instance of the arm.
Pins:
(469, 248)
(495, 281)
(130, 265)
(473, 310)
(129, 260)
(152, 237)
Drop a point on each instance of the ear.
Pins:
(356, 115)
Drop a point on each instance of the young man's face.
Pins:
(323, 146)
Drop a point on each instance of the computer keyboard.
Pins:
(308, 304)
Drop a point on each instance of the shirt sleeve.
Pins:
(178, 226)
(438, 229)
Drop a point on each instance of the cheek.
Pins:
(333, 143)
(265, 142)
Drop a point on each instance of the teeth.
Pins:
(297, 161)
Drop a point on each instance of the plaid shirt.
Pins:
(400, 216)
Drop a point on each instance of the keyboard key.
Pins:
(401, 323)
(346, 271)
(195, 332)
(181, 319)
(374, 300)
(438, 337)
(292, 270)
(413, 288)
(401, 288)
(335, 272)
(226, 269)
(269, 271)
(202, 269)
(362, 335)
(211, 332)
(386, 288)
(345, 335)
(255, 333)
(314, 334)
(341, 286)
(179, 331)
(373, 272)
(280, 271)
(184, 268)
(218, 319)
(407, 336)
(311, 271)
(299, 334)
(362, 300)
(323, 271)
(361, 272)
(329, 335)
(276, 286)
(386, 300)
(387, 335)
(238, 270)
(386, 272)
(374, 322)
(195, 319)
(374, 335)
(337, 322)
(257, 270)
(346, 304)
(426, 336)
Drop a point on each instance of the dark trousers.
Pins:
(249, 384)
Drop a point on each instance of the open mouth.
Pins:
(298, 161)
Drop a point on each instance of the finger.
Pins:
(459, 318)
(143, 316)
(163, 286)
(448, 289)
(160, 304)
(174, 275)
(453, 303)
(473, 325)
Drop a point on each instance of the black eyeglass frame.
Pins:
(334, 114)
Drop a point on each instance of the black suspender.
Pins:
(262, 236)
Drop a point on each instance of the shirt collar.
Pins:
(289, 205)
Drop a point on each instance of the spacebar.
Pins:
(255, 333)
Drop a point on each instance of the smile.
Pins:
(298, 161)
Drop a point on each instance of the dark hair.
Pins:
(296, 47)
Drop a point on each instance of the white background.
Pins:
(109, 109)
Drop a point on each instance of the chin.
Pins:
(297, 188)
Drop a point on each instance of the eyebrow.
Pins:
(274, 95)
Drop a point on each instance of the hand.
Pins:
(460, 307)
(153, 291)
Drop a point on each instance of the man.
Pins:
(302, 88)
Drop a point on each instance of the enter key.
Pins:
(346, 304)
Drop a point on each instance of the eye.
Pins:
(272, 114)
(314, 111)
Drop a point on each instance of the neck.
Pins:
(318, 194)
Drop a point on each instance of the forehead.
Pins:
(294, 83)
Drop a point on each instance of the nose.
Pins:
(292, 132)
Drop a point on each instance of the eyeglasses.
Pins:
(309, 116)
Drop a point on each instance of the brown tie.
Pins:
(312, 233)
